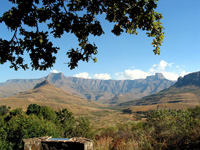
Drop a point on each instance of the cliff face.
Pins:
(54, 77)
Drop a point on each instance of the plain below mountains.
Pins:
(183, 94)
(103, 91)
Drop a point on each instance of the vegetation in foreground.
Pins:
(38, 121)
(163, 129)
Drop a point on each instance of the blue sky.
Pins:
(130, 56)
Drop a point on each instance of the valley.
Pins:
(46, 94)
(117, 101)
(122, 121)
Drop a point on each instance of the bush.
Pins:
(83, 128)
(172, 129)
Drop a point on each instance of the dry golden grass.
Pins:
(189, 98)
(23, 103)
(105, 143)
(177, 106)
(109, 118)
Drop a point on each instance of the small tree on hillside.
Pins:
(4, 110)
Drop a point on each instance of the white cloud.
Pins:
(183, 73)
(170, 75)
(174, 76)
(167, 70)
(162, 65)
(103, 76)
(132, 74)
(83, 75)
(171, 71)
(54, 71)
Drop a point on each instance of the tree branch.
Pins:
(14, 36)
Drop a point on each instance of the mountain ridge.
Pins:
(94, 89)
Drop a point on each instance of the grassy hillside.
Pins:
(189, 95)
(145, 108)
(45, 94)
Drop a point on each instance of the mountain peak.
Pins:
(53, 77)
(156, 76)
(159, 76)
(43, 83)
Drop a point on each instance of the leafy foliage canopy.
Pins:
(78, 17)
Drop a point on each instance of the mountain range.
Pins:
(183, 94)
(103, 91)
(83, 94)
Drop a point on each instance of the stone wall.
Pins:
(45, 143)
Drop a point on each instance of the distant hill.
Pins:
(103, 91)
(46, 94)
(184, 93)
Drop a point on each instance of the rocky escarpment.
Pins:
(188, 80)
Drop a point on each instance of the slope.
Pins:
(46, 94)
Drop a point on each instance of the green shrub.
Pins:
(4, 110)
(39, 121)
